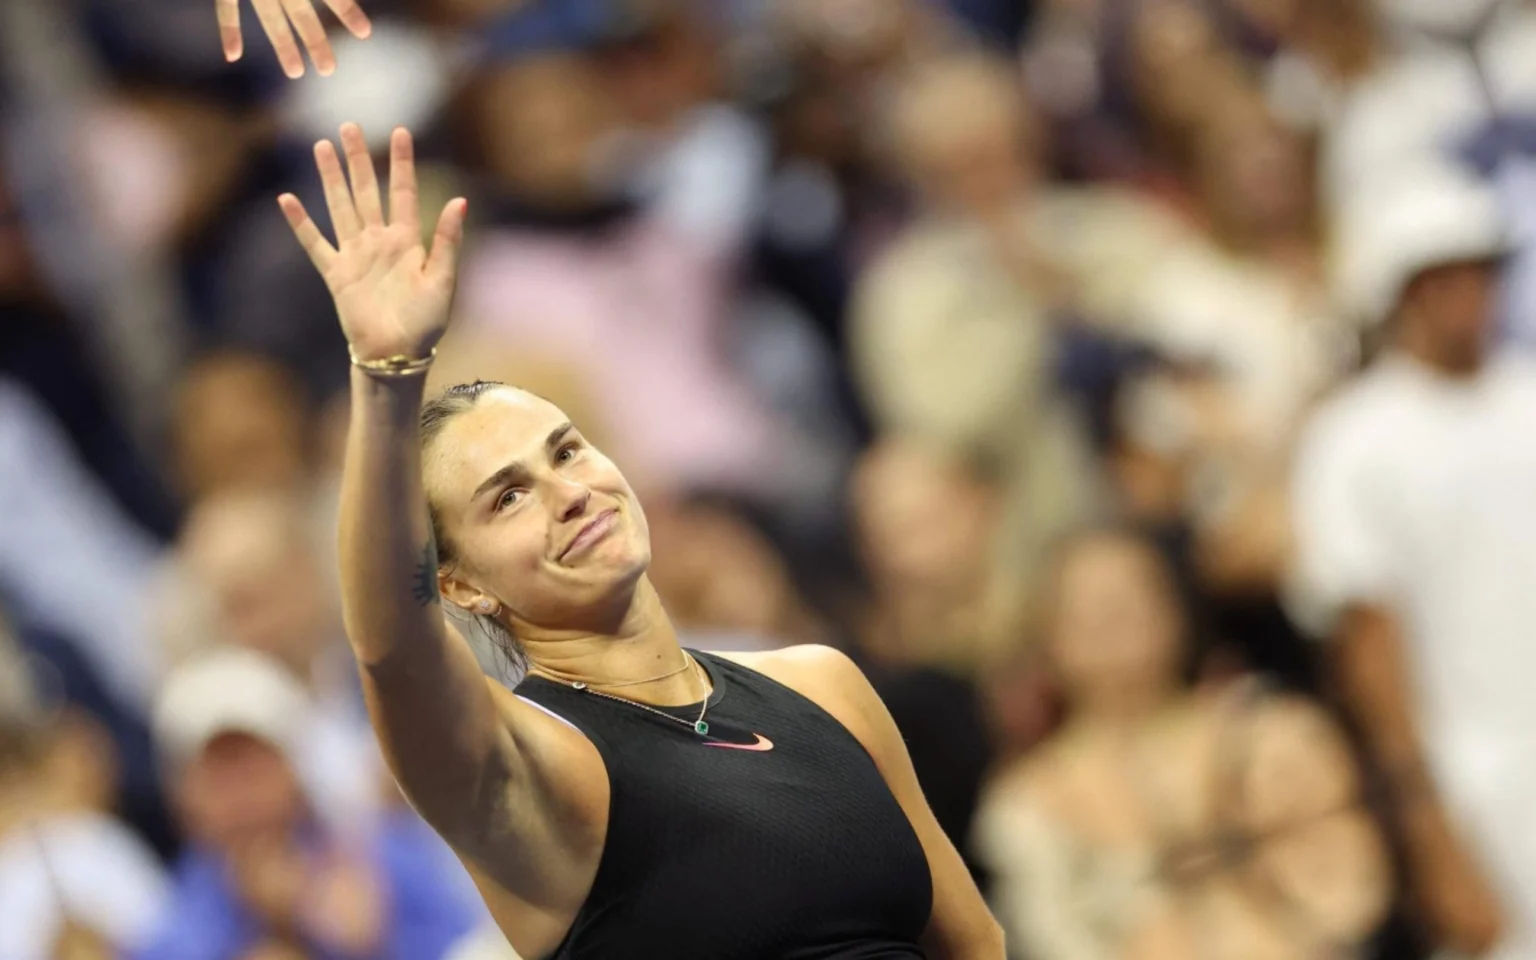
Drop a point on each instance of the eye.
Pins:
(567, 453)
(509, 498)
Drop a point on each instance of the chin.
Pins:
(615, 569)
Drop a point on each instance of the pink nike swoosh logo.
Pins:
(762, 744)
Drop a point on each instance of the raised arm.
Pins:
(430, 703)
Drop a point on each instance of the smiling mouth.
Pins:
(596, 529)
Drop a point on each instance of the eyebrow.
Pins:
(516, 468)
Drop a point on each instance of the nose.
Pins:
(571, 499)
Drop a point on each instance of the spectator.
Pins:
(941, 614)
(1175, 65)
(1416, 552)
(1246, 297)
(242, 430)
(1242, 313)
(262, 876)
(250, 576)
(955, 329)
(1162, 822)
(73, 881)
(942, 591)
(77, 688)
(239, 423)
(1126, 84)
(1453, 83)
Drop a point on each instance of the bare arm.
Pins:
(1446, 877)
(431, 706)
(429, 701)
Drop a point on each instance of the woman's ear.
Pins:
(467, 597)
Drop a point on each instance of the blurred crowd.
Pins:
(1138, 389)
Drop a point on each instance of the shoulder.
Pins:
(813, 670)
(1354, 420)
(830, 679)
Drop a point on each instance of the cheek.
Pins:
(509, 549)
(603, 476)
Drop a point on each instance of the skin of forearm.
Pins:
(388, 561)
(436, 721)
(1375, 679)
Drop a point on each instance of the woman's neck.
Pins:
(641, 659)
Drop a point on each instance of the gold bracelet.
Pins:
(399, 365)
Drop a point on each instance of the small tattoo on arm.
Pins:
(424, 580)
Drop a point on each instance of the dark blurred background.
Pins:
(1065, 361)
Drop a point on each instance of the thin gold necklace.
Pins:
(621, 683)
(699, 726)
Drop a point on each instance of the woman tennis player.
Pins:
(630, 799)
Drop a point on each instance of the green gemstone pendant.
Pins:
(701, 728)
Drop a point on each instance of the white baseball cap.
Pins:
(1425, 215)
(227, 690)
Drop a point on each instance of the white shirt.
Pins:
(1418, 493)
(110, 881)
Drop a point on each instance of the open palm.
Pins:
(391, 294)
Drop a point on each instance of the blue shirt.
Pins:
(427, 909)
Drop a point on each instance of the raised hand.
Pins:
(279, 18)
(391, 294)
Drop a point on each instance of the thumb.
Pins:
(446, 240)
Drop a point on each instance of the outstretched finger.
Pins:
(365, 185)
(228, 12)
(310, 238)
(352, 17)
(404, 202)
(307, 22)
(338, 199)
(270, 12)
(443, 260)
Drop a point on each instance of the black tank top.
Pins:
(774, 837)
